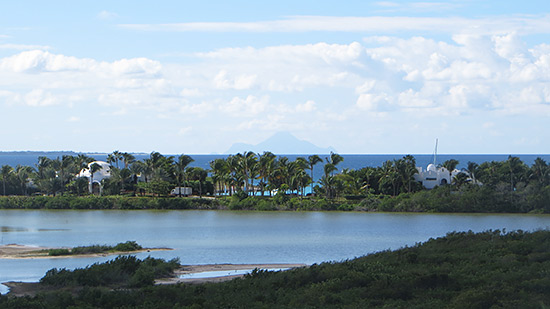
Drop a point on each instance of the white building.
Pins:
(436, 176)
(94, 185)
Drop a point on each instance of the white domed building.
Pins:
(432, 176)
(94, 185)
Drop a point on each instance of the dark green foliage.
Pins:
(128, 246)
(58, 252)
(123, 271)
(461, 270)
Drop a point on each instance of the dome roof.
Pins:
(431, 168)
(104, 172)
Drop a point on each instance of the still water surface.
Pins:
(204, 237)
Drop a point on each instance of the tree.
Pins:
(472, 169)
(539, 171)
(246, 164)
(312, 161)
(128, 159)
(6, 172)
(266, 164)
(334, 159)
(388, 177)
(23, 174)
(114, 157)
(220, 172)
(180, 169)
(199, 174)
(450, 165)
(93, 168)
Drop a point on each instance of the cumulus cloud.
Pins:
(478, 72)
(250, 106)
(39, 97)
(223, 80)
(465, 75)
(306, 107)
(36, 61)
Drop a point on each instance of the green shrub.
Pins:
(58, 252)
(127, 246)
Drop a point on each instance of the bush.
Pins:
(127, 246)
(58, 252)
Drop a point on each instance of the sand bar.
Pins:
(15, 251)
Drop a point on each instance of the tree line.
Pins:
(253, 175)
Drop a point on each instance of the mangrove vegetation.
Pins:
(492, 269)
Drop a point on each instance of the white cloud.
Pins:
(23, 46)
(36, 61)
(73, 119)
(371, 24)
(250, 106)
(372, 102)
(106, 15)
(186, 92)
(39, 97)
(306, 107)
(184, 131)
(223, 80)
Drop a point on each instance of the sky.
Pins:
(195, 77)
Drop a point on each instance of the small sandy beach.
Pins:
(190, 269)
(15, 251)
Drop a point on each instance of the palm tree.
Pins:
(81, 161)
(265, 165)
(472, 170)
(114, 157)
(246, 163)
(220, 172)
(199, 174)
(93, 168)
(539, 171)
(334, 159)
(450, 165)
(312, 161)
(180, 166)
(6, 172)
(23, 174)
(43, 163)
(128, 159)
(389, 176)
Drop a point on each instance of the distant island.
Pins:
(281, 143)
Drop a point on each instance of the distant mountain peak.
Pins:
(282, 142)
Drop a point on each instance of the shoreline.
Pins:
(19, 289)
(17, 252)
(204, 268)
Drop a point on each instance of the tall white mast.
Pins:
(435, 152)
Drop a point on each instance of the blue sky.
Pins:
(195, 77)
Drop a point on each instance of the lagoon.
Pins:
(215, 237)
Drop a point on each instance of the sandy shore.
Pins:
(190, 269)
(15, 251)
